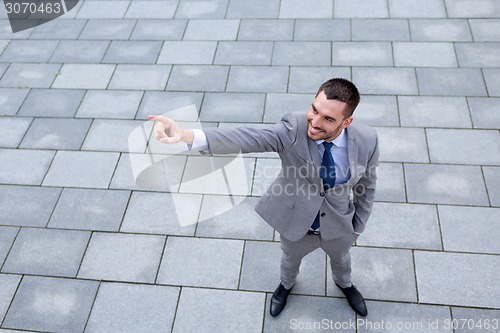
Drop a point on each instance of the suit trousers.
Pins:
(337, 250)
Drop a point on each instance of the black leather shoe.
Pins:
(355, 300)
(278, 301)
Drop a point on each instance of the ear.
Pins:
(346, 122)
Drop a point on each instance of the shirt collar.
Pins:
(339, 141)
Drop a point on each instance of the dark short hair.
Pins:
(341, 90)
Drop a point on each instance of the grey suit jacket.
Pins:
(291, 203)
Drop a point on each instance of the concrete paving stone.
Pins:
(302, 53)
(8, 287)
(3, 67)
(492, 178)
(170, 210)
(29, 75)
(133, 52)
(56, 133)
(80, 51)
(205, 308)
(470, 229)
(140, 77)
(37, 51)
(492, 78)
(81, 169)
(151, 29)
(213, 263)
(470, 320)
(89, 209)
(84, 76)
(6, 30)
(362, 54)
(478, 55)
(47, 252)
(485, 30)
(207, 9)
(266, 171)
(258, 79)
(244, 107)
(122, 257)
(117, 104)
(244, 53)
(266, 30)
(107, 29)
(377, 111)
(472, 9)
(451, 82)
(277, 105)
(417, 8)
(255, 9)
(322, 30)
(440, 30)
(51, 103)
(121, 307)
(152, 9)
(13, 130)
(198, 78)
(318, 9)
(212, 29)
(19, 212)
(484, 112)
(416, 227)
(445, 184)
(360, 9)
(422, 111)
(308, 79)
(411, 54)
(24, 167)
(385, 81)
(438, 281)
(59, 29)
(378, 30)
(103, 9)
(445, 146)
(390, 183)
(187, 52)
(219, 218)
(51, 304)
(156, 102)
(402, 144)
(7, 236)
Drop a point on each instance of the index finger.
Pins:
(162, 119)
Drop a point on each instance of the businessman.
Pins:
(324, 193)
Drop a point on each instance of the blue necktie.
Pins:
(327, 173)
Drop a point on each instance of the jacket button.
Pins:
(323, 214)
(322, 194)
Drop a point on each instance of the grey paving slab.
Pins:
(451, 82)
(416, 227)
(121, 307)
(425, 54)
(24, 167)
(133, 52)
(29, 75)
(258, 79)
(402, 144)
(491, 76)
(445, 146)
(152, 29)
(80, 51)
(140, 77)
(360, 9)
(469, 319)
(156, 102)
(47, 252)
(7, 236)
(122, 257)
(11, 99)
(319, 9)
(8, 287)
(84, 76)
(204, 29)
(423, 111)
(241, 221)
(266, 30)
(29, 51)
(81, 169)
(482, 55)
(243, 107)
(205, 308)
(306, 79)
(152, 9)
(103, 9)
(188, 52)
(472, 9)
(485, 30)
(302, 54)
(492, 178)
(385, 81)
(412, 8)
(254, 9)
(202, 9)
(469, 229)
(390, 183)
(445, 184)
(13, 130)
(56, 133)
(483, 112)
(51, 103)
(380, 30)
(6, 30)
(107, 29)
(51, 304)
(244, 53)
(198, 78)
(362, 54)
(440, 30)
(207, 262)
(170, 210)
(59, 29)
(3, 67)
(438, 281)
(322, 30)
(89, 209)
(377, 111)
(118, 104)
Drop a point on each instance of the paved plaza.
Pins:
(84, 248)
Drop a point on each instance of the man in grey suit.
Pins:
(324, 193)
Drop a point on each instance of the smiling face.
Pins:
(326, 118)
